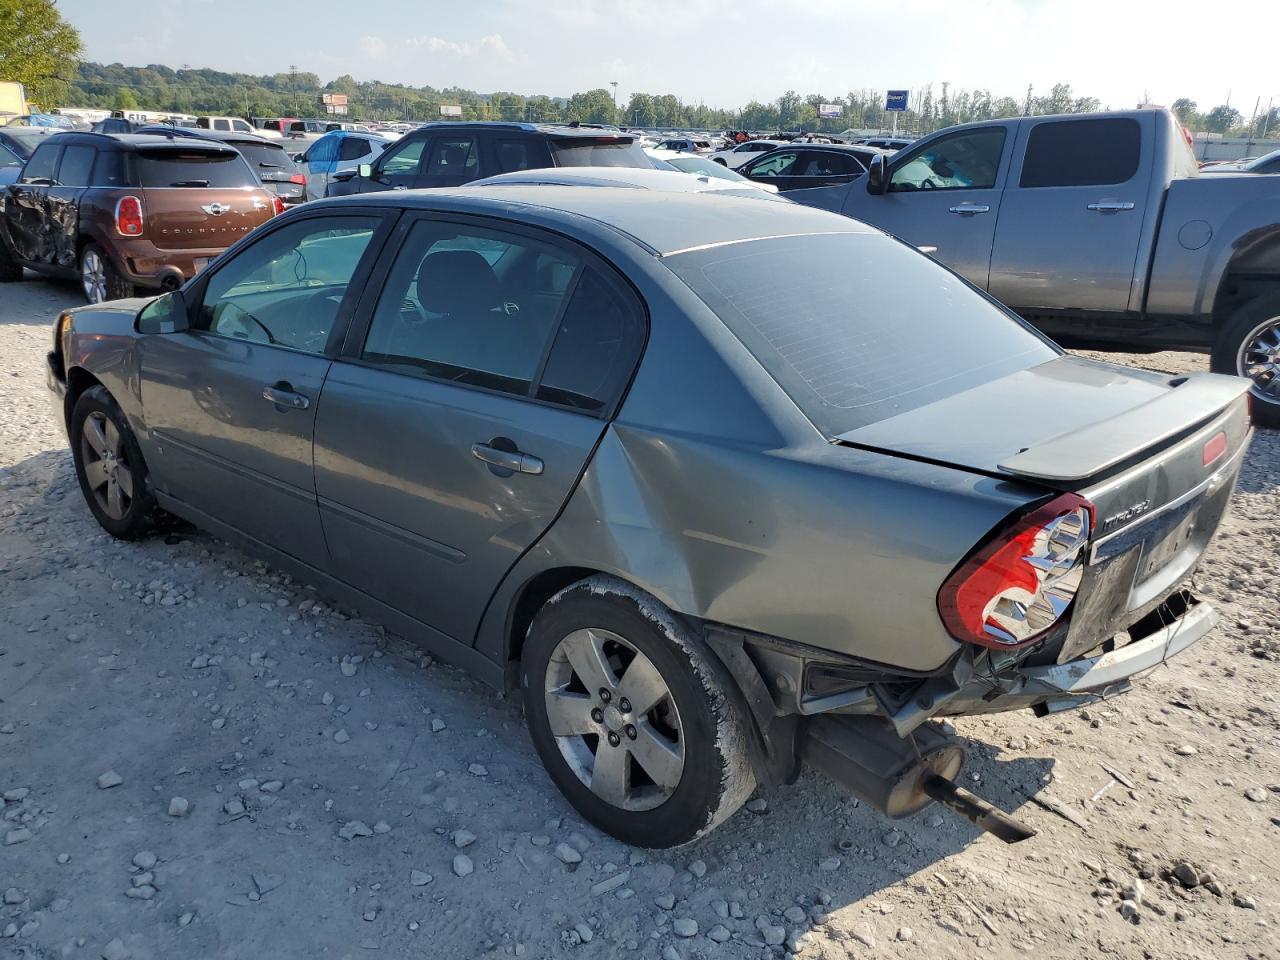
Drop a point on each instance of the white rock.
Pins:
(567, 854)
(109, 779)
(773, 935)
(666, 901)
(719, 933)
(179, 807)
(478, 770)
(758, 805)
(382, 827)
(611, 883)
(829, 864)
(463, 838)
(272, 786)
(341, 736)
(20, 835)
(437, 724)
(420, 878)
(354, 828)
(144, 859)
(462, 865)
(684, 927)
(264, 883)
(698, 868)
(115, 950)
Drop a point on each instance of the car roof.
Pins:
(199, 133)
(554, 130)
(137, 141)
(678, 221)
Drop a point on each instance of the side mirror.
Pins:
(365, 170)
(165, 314)
(877, 175)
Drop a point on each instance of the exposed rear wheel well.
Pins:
(531, 599)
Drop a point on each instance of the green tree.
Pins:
(1184, 108)
(125, 99)
(38, 49)
(1221, 119)
(594, 106)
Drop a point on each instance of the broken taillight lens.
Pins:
(277, 205)
(129, 221)
(1021, 582)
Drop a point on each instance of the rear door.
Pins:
(1089, 179)
(231, 402)
(75, 170)
(466, 404)
(26, 205)
(944, 193)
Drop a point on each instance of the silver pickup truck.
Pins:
(1097, 229)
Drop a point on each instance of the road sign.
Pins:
(829, 111)
(450, 110)
(896, 100)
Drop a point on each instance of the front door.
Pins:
(398, 166)
(465, 408)
(26, 206)
(62, 202)
(1072, 218)
(944, 194)
(231, 402)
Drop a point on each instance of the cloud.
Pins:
(491, 48)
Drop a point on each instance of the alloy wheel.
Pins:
(93, 277)
(614, 719)
(105, 465)
(1259, 359)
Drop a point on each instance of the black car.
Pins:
(798, 166)
(273, 164)
(450, 154)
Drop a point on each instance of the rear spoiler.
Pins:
(1093, 449)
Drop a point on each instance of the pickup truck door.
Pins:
(1071, 223)
(943, 193)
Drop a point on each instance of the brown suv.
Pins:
(123, 212)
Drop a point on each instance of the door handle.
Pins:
(1111, 206)
(512, 460)
(969, 209)
(285, 396)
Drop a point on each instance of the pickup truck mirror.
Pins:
(877, 175)
(167, 313)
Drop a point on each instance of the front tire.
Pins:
(10, 269)
(1248, 345)
(633, 717)
(109, 466)
(100, 280)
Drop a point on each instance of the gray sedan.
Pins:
(722, 486)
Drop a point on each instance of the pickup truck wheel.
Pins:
(99, 278)
(109, 466)
(1248, 345)
(633, 716)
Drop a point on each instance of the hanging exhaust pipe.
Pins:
(900, 776)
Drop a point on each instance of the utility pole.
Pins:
(293, 82)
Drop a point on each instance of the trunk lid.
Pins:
(186, 218)
(1158, 457)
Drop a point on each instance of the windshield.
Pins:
(24, 142)
(192, 168)
(268, 159)
(857, 327)
(706, 168)
(598, 152)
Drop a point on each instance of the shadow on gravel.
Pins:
(1261, 470)
(36, 301)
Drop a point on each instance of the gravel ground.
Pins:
(200, 758)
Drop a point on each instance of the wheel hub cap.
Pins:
(631, 758)
(1259, 359)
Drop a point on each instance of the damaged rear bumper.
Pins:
(1063, 686)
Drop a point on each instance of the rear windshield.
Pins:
(191, 168)
(598, 152)
(265, 158)
(857, 328)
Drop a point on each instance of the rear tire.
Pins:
(10, 269)
(1248, 345)
(100, 280)
(109, 466)
(661, 771)
(721, 161)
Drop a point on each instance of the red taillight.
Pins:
(298, 178)
(129, 217)
(1020, 583)
(1215, 448)
(277, 206)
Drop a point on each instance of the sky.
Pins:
(723, 53)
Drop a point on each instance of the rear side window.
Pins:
(192, 168)
(596, 345)
(108, 169)
(598, 152)
(452, 159)
(848, 346)
(1079, 153)
(516, 155)
(353, 148)
(77, 164)
(43, 162)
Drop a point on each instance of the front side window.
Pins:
(404, 159)
(962, 161)
(1079, 153)
(43, 162)
(287, 289)
(470, 306)
(777, 165)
